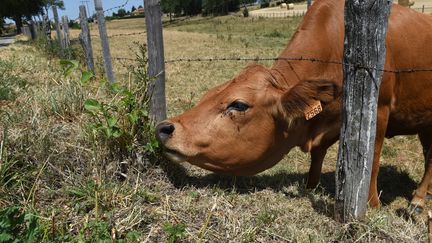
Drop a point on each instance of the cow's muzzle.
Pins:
(164, 131)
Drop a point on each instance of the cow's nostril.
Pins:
(164, 130)
(167, 129)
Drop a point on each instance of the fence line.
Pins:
(168, 23)
(422, 9)
(289, 13)
(254, 59)
(117, 7)
(302, 59)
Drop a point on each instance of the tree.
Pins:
(121, 12)
(364, 57)
(58, 3)
(169, 7)
(220, 7)
(133, 9)
(1, 24)
(192, 7)
(49, 3)
(182, 7)
(19, 9)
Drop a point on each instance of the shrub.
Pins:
(245, 12)
(265, 4)
(16, 226)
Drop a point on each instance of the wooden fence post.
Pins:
(156, 59)
(59, 36)
(66, 37)
(365, 26)
(32, 28)
(47, 28)
(86, 39)
(104, 40)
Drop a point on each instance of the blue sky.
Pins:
(72, 6)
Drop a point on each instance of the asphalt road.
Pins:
(7, 40)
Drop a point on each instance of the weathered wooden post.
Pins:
(156, 59)
(32, 29)
(66, 33)
(59, 36)
(24, 30)
(47, 28)
(104, 40)
(365, 26)
(86, 39)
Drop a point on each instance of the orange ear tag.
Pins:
(313, 110)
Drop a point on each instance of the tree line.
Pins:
(23, 10)
(206, 7)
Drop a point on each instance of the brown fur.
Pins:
(303, 95)
(251, 141)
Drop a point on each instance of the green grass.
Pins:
(256, 32)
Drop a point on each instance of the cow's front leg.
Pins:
(418, 201)
(317, 158)
(382, 121)
(426, 142)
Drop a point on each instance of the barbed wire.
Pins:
(255, 59)
(313, 60)
(117, 7)
(164, 24)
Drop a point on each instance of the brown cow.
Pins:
(248, 124)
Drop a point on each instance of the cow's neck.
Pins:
(319, 37)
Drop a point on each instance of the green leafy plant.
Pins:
(123, 122)
(17, 226)
(96, 231)
(174, 231)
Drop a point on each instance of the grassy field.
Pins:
(56, 170)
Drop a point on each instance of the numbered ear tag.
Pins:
(313, 110)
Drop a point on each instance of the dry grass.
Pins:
(76, 199)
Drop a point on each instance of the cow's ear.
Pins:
(308, 98)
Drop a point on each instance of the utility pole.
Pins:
(86, 3)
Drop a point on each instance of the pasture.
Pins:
(52, 170)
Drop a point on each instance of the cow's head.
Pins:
(243, 126)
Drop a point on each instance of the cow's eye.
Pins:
(238, 106)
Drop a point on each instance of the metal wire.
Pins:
(117, 7)
(304, 59)
(255, 59)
